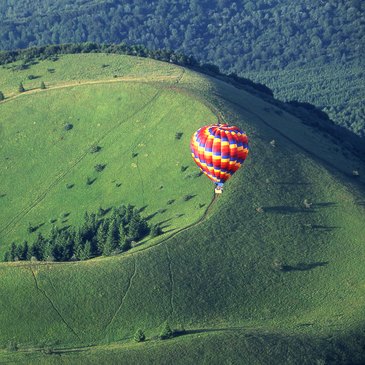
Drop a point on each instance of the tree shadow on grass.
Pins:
(324, 205)
(178, 333)
(151, 216)
(291, 183)
(140, 210)
(321, 227)
(35, 228)
(65, 228)
(284, 209)
(165, 221)
(302, 266)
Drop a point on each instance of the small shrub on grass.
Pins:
(166, 332)
(31, 77)
(90, 181)
(134, 154)
(307, 204)
(43, 85)
(139, 336)
(99, 167)
(178, 135)
(70, 185)
(183, 168)
(156, 230)
(68, 126)
(31, 228)
(21, 88)
(187, 197)
(2, 97)
(171, 201)
(12, 346)
(95, 149)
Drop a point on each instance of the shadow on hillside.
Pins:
(140, 210)
(65, 228)
(321, 227)
(284, 209)
(324, 205)
(303, 266)
(178, 333)
(291, 183)
(151, 216)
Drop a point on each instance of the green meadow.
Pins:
(271, 271)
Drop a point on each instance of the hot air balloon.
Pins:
(219, 150)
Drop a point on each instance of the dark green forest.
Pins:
(241, 37)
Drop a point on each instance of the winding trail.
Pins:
(171, 281)
(44, 293)
(123, 297)
(11, 224)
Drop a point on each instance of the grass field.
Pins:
(260, 277)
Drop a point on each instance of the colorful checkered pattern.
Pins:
(219, 150)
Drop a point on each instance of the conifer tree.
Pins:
(86, 252)
(101, 238)
(13, 251)
(139, 336)
(166, 332)
(21, 88)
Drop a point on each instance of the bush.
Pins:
(166, 332)
(68, 126)
(31, 228)
(21, 88)
(139, 336)
(187, 197)
(95, 149)
(70, 185)
(12, 346)
(156, 230)
(90, 181)
(99, 167)
(2, 97)
(178, 135)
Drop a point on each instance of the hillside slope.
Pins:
(261, 274)
(284, 38)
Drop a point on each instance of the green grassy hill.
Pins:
(256, 278)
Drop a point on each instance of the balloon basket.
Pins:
(218, 190)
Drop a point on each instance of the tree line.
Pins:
(98, 235)
(235, 35)
(32, 55)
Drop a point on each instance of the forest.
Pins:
(98, 235)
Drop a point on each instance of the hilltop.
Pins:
(269, 270)
(307, 51)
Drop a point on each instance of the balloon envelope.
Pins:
(219, 150)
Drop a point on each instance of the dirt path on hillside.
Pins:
(65, 85)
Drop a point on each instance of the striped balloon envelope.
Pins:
(219, 150)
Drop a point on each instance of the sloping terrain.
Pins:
(271, 270)
(318, 44)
